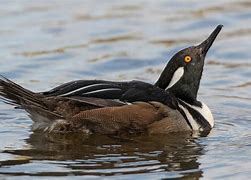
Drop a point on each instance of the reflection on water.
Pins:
(174, 155)
(45, 43)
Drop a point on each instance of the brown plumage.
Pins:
(92, 115)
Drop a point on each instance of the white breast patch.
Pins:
(204, 111)
(190, 118)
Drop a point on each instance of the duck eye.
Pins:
(187, 59)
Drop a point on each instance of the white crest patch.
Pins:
(176, 77)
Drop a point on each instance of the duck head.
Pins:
(183, 72)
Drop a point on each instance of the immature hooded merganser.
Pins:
(88, 106)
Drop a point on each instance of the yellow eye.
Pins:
(187, 59)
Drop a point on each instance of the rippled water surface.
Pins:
(45, 43)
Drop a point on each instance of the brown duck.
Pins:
(106, 107)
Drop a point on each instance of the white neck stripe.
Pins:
(176, 77)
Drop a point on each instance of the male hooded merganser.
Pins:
(89, 106)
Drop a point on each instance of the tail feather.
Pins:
(7, 101)
(14, 94)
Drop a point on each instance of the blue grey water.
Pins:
(45, 43)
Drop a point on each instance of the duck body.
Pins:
(108, 107)
(195, 114)
(128, 91)
(98, 115)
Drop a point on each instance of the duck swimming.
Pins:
(108, 107)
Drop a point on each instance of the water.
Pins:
(45, 43)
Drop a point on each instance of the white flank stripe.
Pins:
(176, 77)
(190, 118)
(101, 90)
(80, 89)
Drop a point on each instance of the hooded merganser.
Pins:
(88, 106)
